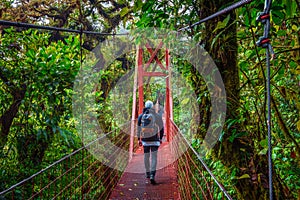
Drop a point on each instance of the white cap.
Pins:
(149, 104)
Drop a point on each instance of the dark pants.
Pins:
(153, 151)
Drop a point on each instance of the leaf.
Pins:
(281, 32)
(298, 125)
(185, 101)
(137, 5)
(231, 138)
(45, 134)
(263, 152)
(231, 122)
(264, 143)
(30, 53)
(124, 11)
(54, 129)
(197, 36)
(222, 24)
(218, 35)
(293, 64)
(278, 15)
(62, 133)
(294, 27)
(244, 176)
(284, 159)
(290, 8)
(281, 71)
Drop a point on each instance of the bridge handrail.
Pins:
(58, 161)
(202, 162)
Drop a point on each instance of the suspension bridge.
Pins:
(182, 174)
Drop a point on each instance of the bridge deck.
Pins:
(137, 186)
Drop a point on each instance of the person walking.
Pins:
(150, 133)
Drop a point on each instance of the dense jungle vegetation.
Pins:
(38, 70)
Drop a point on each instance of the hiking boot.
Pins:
(152, 181)
(147, 175)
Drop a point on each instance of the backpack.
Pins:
(149, 131)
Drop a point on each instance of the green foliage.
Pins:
(43, 129)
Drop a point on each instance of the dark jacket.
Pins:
(158, 122)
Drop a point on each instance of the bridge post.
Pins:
(133, 114)
(169, 112)
(140, 67)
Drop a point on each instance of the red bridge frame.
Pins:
(142, 70)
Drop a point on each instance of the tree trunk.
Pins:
(7, 118)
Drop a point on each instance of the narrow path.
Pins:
(137, 186)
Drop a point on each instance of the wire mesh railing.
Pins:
(79, 175)
(196, 181)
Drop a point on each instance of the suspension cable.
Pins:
(52, 28)
(221, 12)
(264, 41)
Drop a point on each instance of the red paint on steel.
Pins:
(133, 111)
(153, 74)
(168, 95)
(168, 59)
(140, 79)
(156, 58)
(153, 54)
